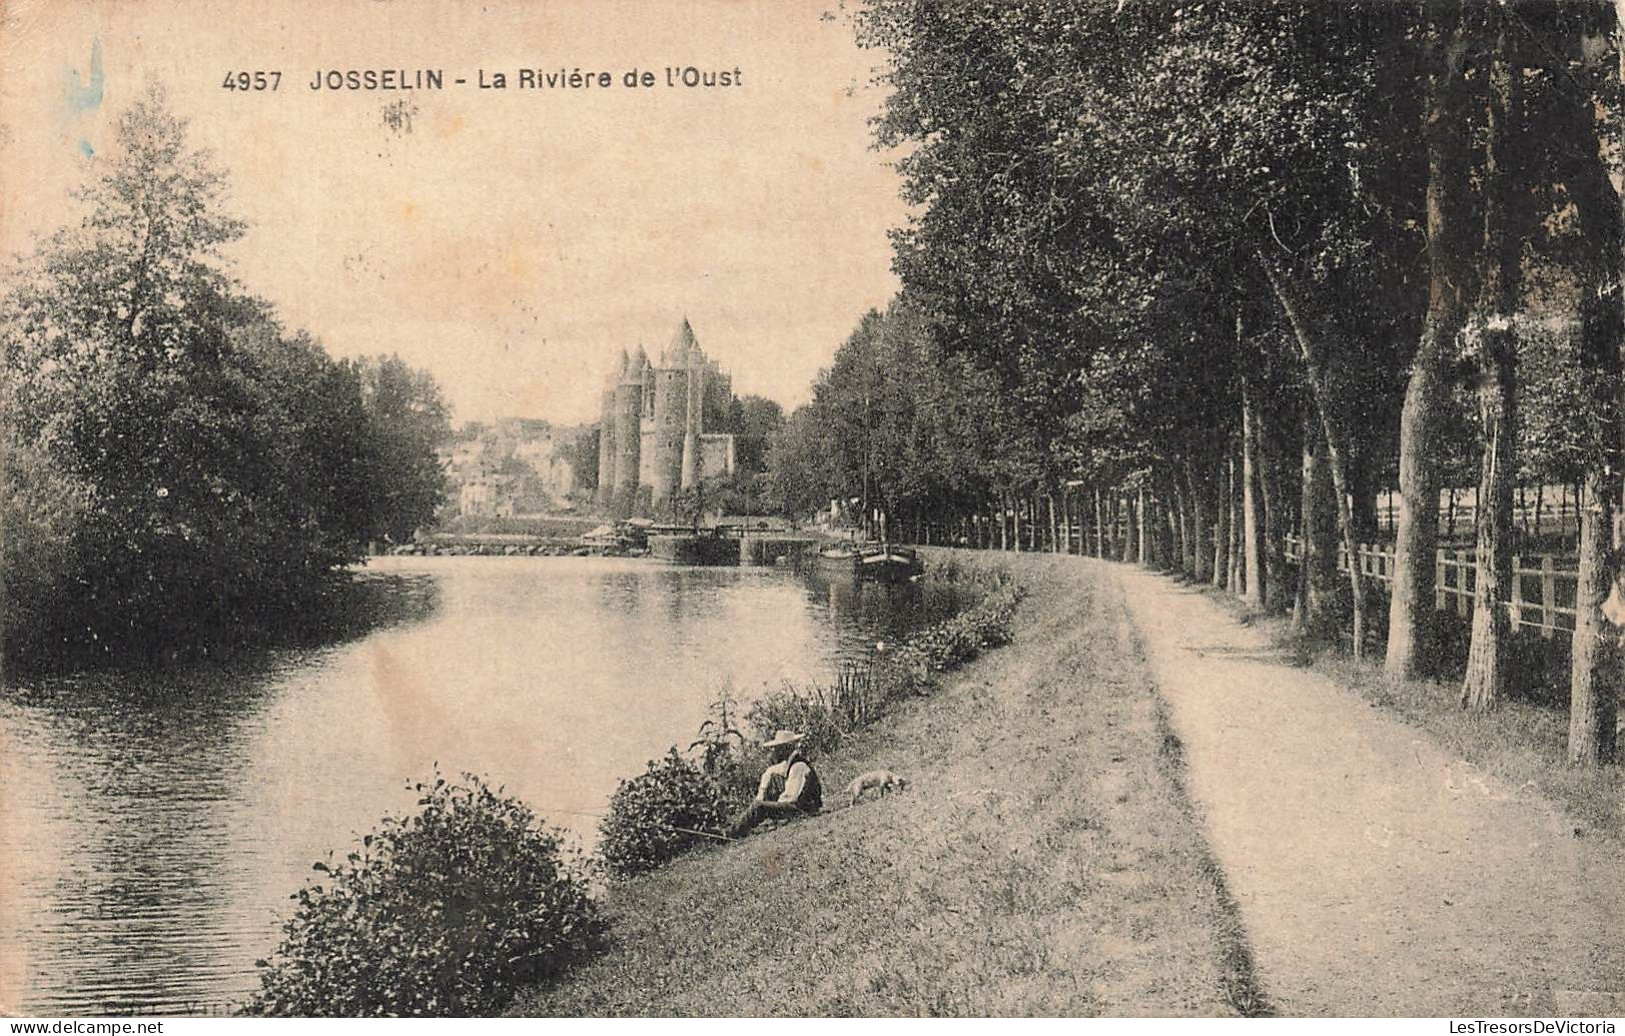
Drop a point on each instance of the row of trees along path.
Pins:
(1213, 272)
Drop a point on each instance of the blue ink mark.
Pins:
(85, 148)
(87, 95)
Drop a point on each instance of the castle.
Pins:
(652, 430)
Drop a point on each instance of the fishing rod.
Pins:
(670, 827)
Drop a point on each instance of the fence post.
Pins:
(1517, 592)
(1440, 575)
(1464, 600)
(1548, 595)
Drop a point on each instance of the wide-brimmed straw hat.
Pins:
(783, 737)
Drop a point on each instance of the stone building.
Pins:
(654, 416)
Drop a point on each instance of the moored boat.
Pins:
(693, 547)
(889, 563)
(874, 561)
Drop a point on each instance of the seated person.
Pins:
(789, 786)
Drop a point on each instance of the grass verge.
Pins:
(1045, 860)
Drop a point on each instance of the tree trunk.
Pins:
(1238, 554)
(1594, 673)
(1252, 518)
(1277, 588)
(1594, 666)
(1323, 528)
(1148, 550)
(1004, 521)
(1100, 526)
(1485, 682)
(1445, 129)
(1315, 372)
(1221, 535)
(1311, 488)
(1201, 547)
(1131, 532)
(1176, 529)
(1065, 546)
(1119, 525)
(1077, 529)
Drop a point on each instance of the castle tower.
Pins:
(666, 435)
(628, 425)
(606, 436)
(693, 362)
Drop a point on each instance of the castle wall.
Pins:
(646, 454)
(606, 449)
(628, 436)
(666, 432)
(716, 455)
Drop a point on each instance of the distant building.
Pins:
(654, 416)
(515, 466)
(491, 495)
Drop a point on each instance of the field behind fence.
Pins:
(1543, 586)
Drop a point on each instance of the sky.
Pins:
(511, 241)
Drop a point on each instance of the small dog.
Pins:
(884, 780)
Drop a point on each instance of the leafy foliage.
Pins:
(893, 422)
(652, 816)
(187, 474)
(827, 713)
(444, 913)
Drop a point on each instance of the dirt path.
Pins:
(1376, 875)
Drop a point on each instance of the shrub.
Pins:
(951, 643)
(442, 913)
(827, 713)
(810, 709)
(652, 816)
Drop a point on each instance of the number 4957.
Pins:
(252, 80)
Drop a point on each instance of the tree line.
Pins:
(183, 473)
(1216, 271)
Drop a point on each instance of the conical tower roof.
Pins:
(683, 343)
(640, 359)
(617, 371)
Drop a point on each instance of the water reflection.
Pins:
(154, 826)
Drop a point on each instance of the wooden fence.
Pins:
(1543, 588)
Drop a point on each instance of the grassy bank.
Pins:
(1045, 860)
(1523, 742)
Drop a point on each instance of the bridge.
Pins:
(728, 544)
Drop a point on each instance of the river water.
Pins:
(154, 826)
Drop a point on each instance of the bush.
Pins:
(443, 913)
(652, 816)
(827, 713)
(951, 643)
(814, 710)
